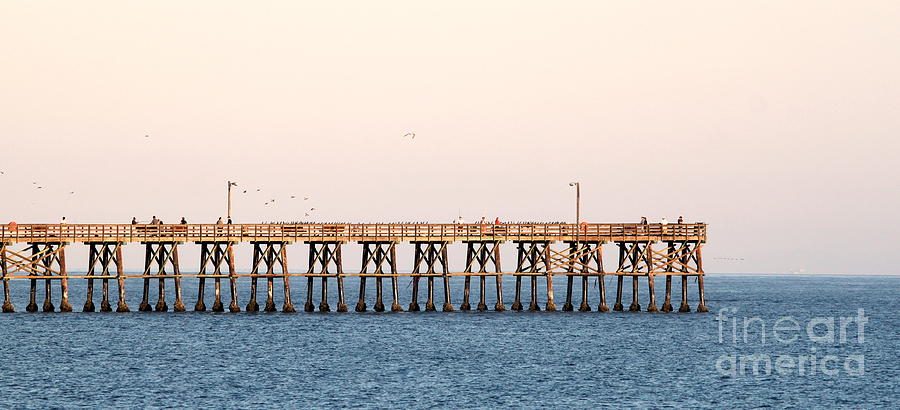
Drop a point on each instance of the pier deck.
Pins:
(543, 251)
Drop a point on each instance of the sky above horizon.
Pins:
(775, 122)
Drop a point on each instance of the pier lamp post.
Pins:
(230, 184)
(577, 186)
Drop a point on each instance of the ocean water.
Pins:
(468, 359)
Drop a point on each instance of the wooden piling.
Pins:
(218, 254)
(701, 307)
(178, 306)
(7, 304)
(651, 302)
(48, 284)
(684, 308)
(200, 306)
(517, 301)
(323, 305)
(448, 305)
(308, 306)
(93, 258)
(379, 296)
(467, 282)
(667, 303)
(482, 299)
(161, 259)
(585, 306)
(252, 304)
(635, 304)
(339, 259)
(105, 260)
(145, 301)
(32, 295)
(121, 307)
(533, 306)
(618, 307)
(499, 306)
(270, 279)
(288, 305)
(602, 284)
(572, 252)
(418, 258)
(64, 305)
(367, 256)
(701, 304)
(233, 307)
(395, 285)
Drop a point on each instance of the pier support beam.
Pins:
(377, 254)
(214, 255)
(47, 259)
(429, 255)
(533, 261)
(584, 257)
(635, 258)
(323, 256)
(101, 255)
(270, 254)
(698, 259)
(159, 256)
(480, 255)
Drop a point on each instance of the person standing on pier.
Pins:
(154, 221)
(497, 221)
(183, 221)
(664, 222)
(134, 220)
(680, 220)
(643, 220)
(220, 221)
(229, 220)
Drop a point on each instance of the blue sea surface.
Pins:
(462, 359)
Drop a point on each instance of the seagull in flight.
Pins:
(410, 134)
(306, 198)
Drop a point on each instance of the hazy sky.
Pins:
(774, 121)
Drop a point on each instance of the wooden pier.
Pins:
(37, 252)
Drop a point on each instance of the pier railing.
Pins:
(87, 233)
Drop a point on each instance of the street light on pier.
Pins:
(577, 186)
(230, 184)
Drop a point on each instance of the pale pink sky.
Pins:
(776, 122)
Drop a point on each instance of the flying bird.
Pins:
(306, 214)
(245, 191)
(306, 198)
(312, 209)
(71, 192)
(292, 197)
(412, 135)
